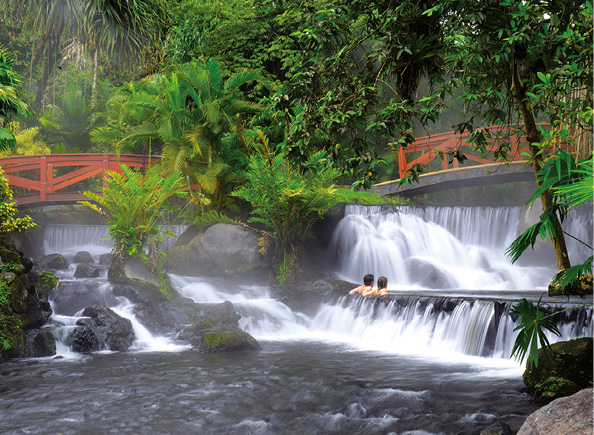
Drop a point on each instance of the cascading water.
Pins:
(430, 358)
(69, 239)
(434, 248)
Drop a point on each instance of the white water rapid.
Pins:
(447, 273)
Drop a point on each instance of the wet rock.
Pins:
(53, 261)
(428, 275)
(71, 297)
(569, 371)
(39, 309)
(39, 343)
(223, 250)
(566, 415)
(103, 329)
(158, 313)
(85, 270)
(217, 331)
(105, 259)
(497, 429)
(83, 257)
(307, 296)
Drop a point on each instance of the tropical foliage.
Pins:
(11, 104)
(571, 184)
(8, 209)
(286, 201)
(135, 204)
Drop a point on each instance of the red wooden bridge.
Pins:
(444, 175)
(50, 179)
(53, 179)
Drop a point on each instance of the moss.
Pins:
(555, 387)
(8, 256)
(11, 323)
(212, 340)
(47, 281)
(571, 361)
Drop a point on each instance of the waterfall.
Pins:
(443, 248)
(69, 239)
(398, 324)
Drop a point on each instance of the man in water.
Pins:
(367, 285)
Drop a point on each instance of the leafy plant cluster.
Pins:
(135, 204)
(286, 201)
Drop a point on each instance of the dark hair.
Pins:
(382, 282)
(368, 279)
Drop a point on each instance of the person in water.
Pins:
(382, 288)
(367, 285)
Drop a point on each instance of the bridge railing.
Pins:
(38, 173)
(431, 146)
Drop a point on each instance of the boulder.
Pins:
(497, 429)
(85, 270)
(307, 296)
(83, 257)
(105, 259)
(223, 250)
(216, 330)
(103, 329)
(39, 343)
(39, 309)
(71, 297)
(53, 261)
(569, 371)
(428, 275)
(563, 416)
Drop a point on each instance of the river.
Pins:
(432, 358)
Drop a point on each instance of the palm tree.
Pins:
(218, 101)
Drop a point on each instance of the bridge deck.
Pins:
(478, 175)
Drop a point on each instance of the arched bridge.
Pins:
(479, 171)
(53, 179)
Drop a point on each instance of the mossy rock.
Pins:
(553, 388)
(581, 287)
(227, 341)
(46, 281)
(571, 363)
(9, 257)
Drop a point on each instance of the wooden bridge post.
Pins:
(43, 178)
(105, 168)
(401, 163)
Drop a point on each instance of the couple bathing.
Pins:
(367, 288)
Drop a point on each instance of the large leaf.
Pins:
(533, 324)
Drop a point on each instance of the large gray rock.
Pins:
(83, 257)
(53, 261)
(158, 313)
(216, 331)
(104, 329)
(565, 416)
(85, 270)
(428, 275)
(72, 297)
(39, 343)
(223, 250)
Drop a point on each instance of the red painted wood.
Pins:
(451, 141)
(83, 166)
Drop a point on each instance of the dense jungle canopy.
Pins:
(231, 93)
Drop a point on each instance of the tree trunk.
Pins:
(533, 136)
(94, 85)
